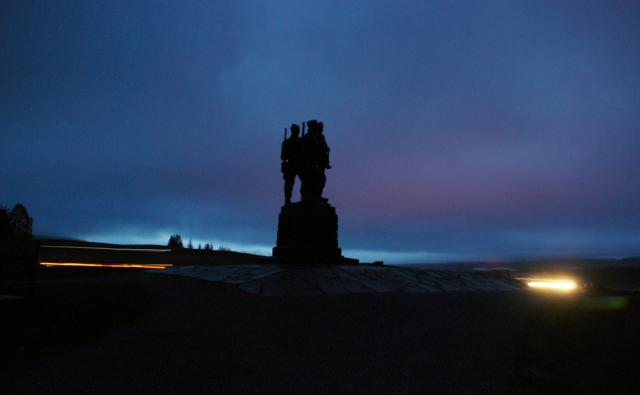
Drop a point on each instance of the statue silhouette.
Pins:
(307, 230)
(315, 160)
(290, 166)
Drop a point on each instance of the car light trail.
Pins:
(160, 266)
(550, 284)
(110, 248)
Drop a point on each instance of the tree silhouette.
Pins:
(175, 242)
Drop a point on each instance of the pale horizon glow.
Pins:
(161, 237)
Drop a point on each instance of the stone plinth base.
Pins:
(308, 233)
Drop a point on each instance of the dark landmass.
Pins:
(100, 330)
(127, 331)
(537, 264)
(61, 250)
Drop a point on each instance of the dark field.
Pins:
(137, 332)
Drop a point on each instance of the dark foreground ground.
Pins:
(144, 333)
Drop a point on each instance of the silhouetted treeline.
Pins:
(175, 243)
(15, 224)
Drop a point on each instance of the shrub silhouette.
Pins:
(15, 225)
(20, 222)
(5, 226)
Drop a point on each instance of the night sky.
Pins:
(459, 129)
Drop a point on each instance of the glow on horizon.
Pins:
(160, 266)
(161, 237)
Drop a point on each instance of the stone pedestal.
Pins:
(308, 232)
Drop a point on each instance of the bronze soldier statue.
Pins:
(290, 166)
(315, 160)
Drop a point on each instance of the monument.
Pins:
(308, 229)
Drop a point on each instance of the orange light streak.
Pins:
(550, 284)
(160, 266)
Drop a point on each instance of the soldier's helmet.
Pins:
(312, 125)
(295, 129)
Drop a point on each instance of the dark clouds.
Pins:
(461, 128)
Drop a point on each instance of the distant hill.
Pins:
(82, 243)
(78, 251)
(538, 264)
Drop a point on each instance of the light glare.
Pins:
(160, 266)
(551, 284)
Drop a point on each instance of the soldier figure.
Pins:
(290, 156)
(315, 155)
(324, 158)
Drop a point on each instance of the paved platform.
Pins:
(274, 280)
